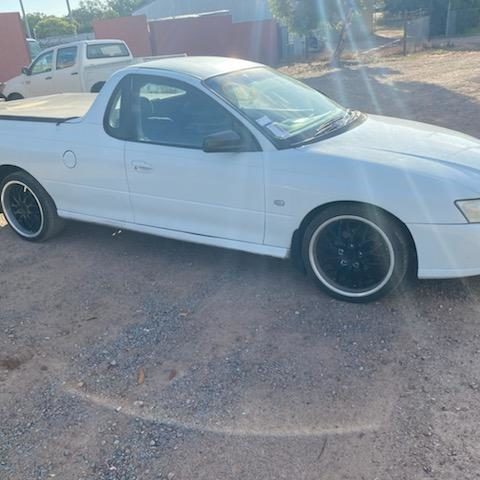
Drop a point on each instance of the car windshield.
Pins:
(286, 110)
(33, 48)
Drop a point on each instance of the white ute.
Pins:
(233, 154)
(74, 67)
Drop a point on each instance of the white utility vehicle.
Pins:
(231, 153)
(71, 68)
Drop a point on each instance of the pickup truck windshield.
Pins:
(287, 111)
(33, 48)
(106, 50)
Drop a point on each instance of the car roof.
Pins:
(199, 67)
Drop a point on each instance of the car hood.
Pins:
(408, 145)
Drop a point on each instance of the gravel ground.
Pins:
(124, 356)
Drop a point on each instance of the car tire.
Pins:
(28, 208)
(356, 253)
(14, 96)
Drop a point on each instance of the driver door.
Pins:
(67, 75)
(40, 80)
(173, 183)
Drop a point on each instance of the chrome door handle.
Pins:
(142, 166)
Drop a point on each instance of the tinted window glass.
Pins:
(113, 117)
(43, 64)
(66, 57)
(107, 50)
(171, 113)
(117, 121)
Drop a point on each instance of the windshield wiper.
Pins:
(335, 123)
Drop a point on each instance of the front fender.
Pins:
(15, 85)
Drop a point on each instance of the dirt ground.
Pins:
(124, 356)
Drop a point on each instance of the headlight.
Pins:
(470, 209)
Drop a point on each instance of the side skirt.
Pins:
(256, 248)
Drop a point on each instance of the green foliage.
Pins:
(90, 10)
(303, 16)
(54, 26)
(124, 8)
(34, 18)
(300, 16)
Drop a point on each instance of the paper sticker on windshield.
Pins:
(264, 121)
(278, 130)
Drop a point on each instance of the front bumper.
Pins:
(447, 251)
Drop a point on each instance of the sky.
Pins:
(51, 7)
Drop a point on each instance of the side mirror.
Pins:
(26, 71)
(227, 141)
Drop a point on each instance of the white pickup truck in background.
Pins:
(71, 68)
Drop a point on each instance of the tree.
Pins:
(33, 19)
(303, 16)
(124, 8)
(54, 26)
(300, 16)
(88, 11)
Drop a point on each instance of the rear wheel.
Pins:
(28, 208)
(356, 253)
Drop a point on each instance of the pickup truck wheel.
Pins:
(356, 254)
(97, 87)
(14, 96)
(28, 208)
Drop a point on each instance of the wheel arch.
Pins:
(296, 244)
(14, 96)
(97, 87)
(6, 170)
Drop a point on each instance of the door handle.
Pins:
(48, 78)
(74, 73)
(142, 166)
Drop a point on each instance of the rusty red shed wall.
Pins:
(216, 35)
(13, 48)
(132, 30)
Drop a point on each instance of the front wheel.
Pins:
(14, 96)
(355, 253)
(28, 208)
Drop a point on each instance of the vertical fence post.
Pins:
(405, 32)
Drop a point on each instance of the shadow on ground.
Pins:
(375, 89)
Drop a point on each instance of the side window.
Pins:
(114, 121)
(113, 117)
(169, 112)
(106, 50)
(66, 57)
(43, 64)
